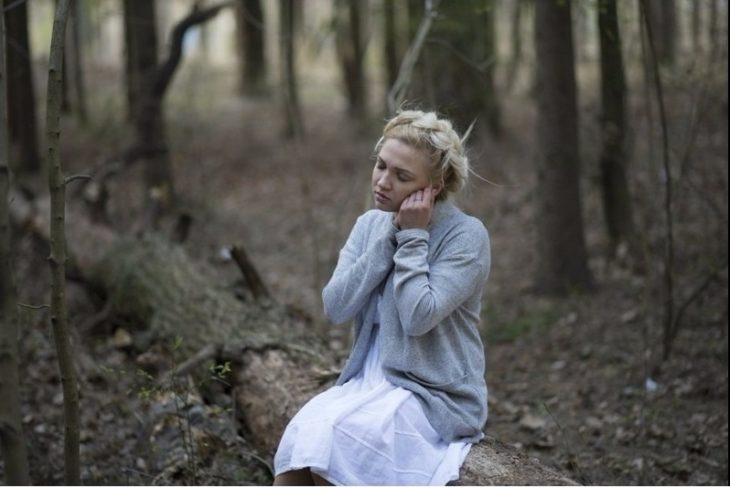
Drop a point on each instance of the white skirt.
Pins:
(368, 432)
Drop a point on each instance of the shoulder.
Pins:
(462, 226)
(465, 234)
(373, 217)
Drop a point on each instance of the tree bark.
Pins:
(250, 23)
(663, 17)
(515, 59)
(57, 259)
(390, 42)
(617, 208)
(12, 441)
(140, 40)
(351, 50)
(563, 258)
(290, 94)
(77, 61)
(21, 109)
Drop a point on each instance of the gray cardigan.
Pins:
(432, 282)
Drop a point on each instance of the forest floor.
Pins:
(577, 382)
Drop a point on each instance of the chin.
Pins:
(386, 207)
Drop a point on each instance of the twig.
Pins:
(191, 363)
(136, 471)
(250, 274)
(257, 458)
(691, 298)
(69, 179)
(668, 318)
(567, 445)
(95, 320)
(33, 307)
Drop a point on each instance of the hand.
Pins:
(415, 211)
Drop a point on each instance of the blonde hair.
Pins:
(440, 143)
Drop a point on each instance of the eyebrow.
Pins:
(400, 170)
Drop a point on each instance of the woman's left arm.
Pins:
(426, 294)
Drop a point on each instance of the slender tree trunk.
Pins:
(250, 22)
(515, 43)
(390, 42)
(140, 34)
(77, 61)
(57, 259)
(663, 17)
(696, 26)
(713, 31)
(616, 196)
(350, 47)
(563, 258)
(292, 111)
(21, 110)
(12, 442)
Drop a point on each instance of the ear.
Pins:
(437, 187)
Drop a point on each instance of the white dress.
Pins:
(369, 432)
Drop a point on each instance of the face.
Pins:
(399, 170)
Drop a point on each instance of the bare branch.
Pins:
(69, 179)
(669, 237)
(33, 307)
(250, 274)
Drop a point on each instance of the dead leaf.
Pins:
(532, 422)
(122, 338)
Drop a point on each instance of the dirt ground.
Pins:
(576, 381)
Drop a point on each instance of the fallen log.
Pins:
(277, 372)
(154, 285)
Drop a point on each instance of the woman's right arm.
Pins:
(358, 272)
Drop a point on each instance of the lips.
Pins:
(380, 197)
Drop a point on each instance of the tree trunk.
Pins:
(140, 40)
(616, 195)
(292, 111)
(250, 23)
(696, 26)
(77, 61)
(563, 258)
(663, 17)
(462, 48)
(57, 259)
(713, 31)
(351, 50)
(150, 123)
(390, 43)
(12, 441)
(515, 59)
(24, 155)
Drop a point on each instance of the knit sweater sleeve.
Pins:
(425, 293)
(361, 267)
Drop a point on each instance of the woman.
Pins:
(412, 397)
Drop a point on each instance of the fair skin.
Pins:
(401, 183)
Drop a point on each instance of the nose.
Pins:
(383, 181)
